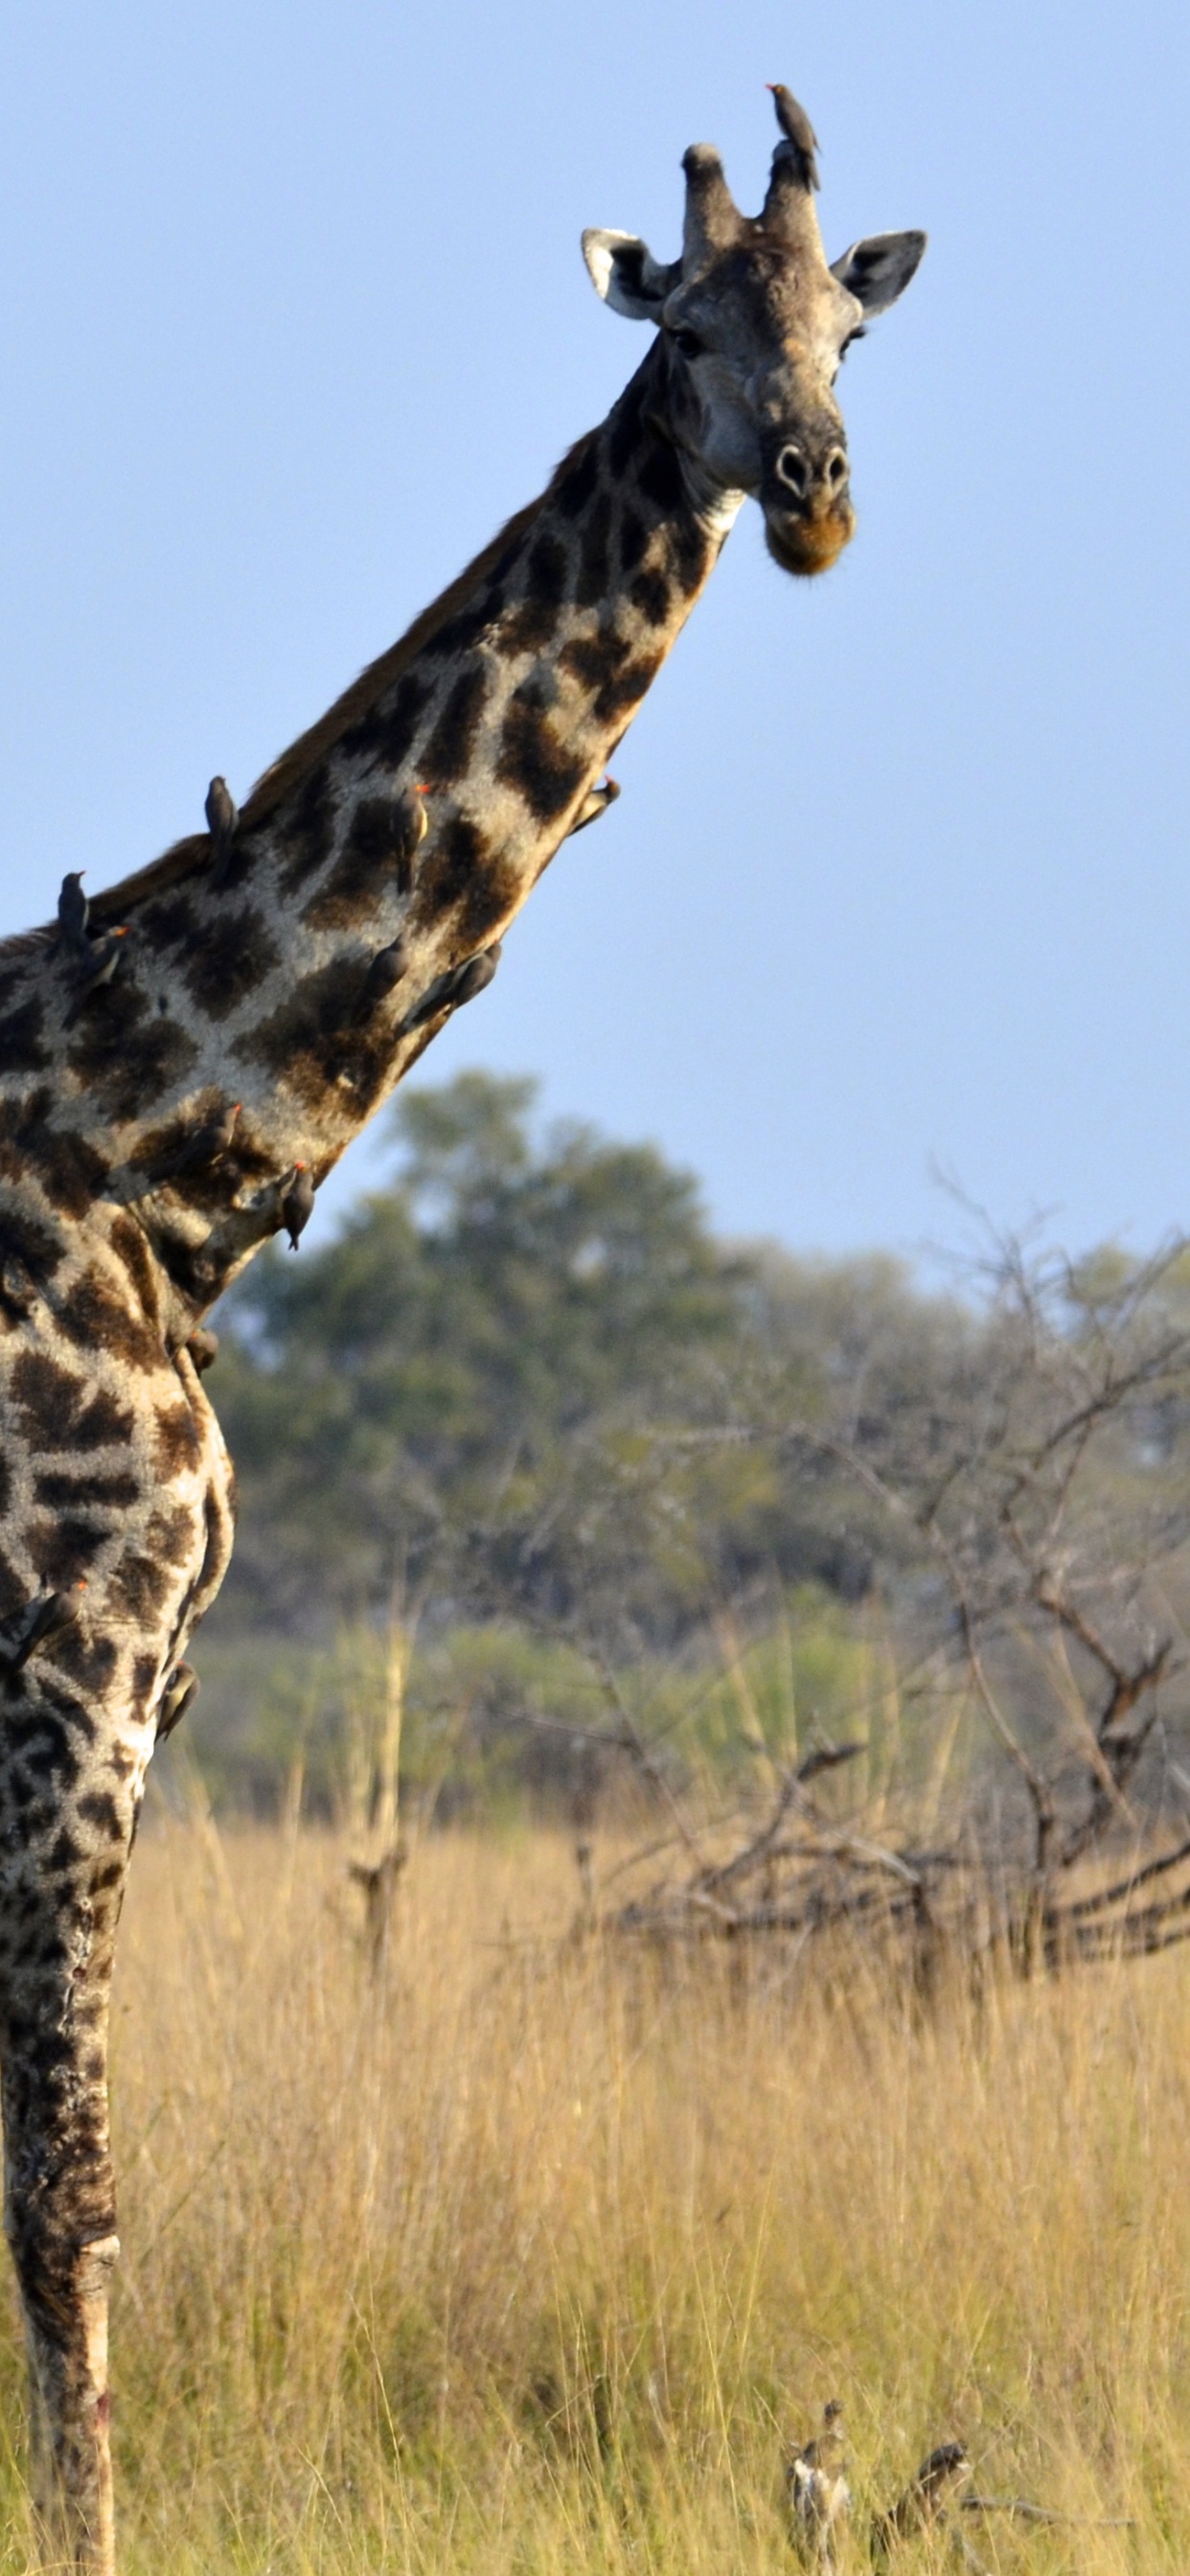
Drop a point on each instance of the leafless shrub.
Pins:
(1029, 1511)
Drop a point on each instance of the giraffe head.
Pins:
(754, 323)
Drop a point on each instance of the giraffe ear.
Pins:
(876, 271)
(625, 273)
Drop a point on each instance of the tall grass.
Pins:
(528, 2253)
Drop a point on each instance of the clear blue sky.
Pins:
(294, 314)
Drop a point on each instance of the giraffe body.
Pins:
(155, 1120)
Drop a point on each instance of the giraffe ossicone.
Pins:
(175, 1055)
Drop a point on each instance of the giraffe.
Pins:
(227, 1019)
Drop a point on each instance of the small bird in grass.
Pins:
(207, 1145)
(385, 971)
(203, 1347)
(98, 959)
(223, 817)
(180, 1692)
(924, 2501)
(819, 2496)
(460, 984)
(595, 803)
(297, 1206)
(47, 1616)
(798, 132)
(73, 911)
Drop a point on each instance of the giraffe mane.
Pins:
(189, 857)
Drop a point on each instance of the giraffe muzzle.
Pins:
(806, 500)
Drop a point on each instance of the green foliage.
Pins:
(495, 1716)
(527, 1376)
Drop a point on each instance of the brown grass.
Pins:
(529, 2257)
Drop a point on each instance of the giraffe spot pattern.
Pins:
(366, 869)
(448, 748)
(24, 1239)
(63, 1550)
(624, 426)
(230, 960)
(468, 627)
(532, 624)
(169, 923)
(594, 561)
(632, 536)
(138, 1587)
(537, 762)
(71, 1172)
(176, 1442)
(128, 1243)
(89, 1660)
(92, 1316)
(649, 594)
(22, 1049)
(388, 731)
(141, 1062)
(59, 1490)
(47, 1401)
(450, 876)
(304, 1035)
(309, 835)
(576, 486)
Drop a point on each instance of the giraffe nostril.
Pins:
(793, 471)
(836, 470)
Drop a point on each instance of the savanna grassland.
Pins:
(529, 2250)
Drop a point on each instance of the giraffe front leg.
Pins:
(60, 1893)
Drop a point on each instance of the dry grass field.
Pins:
(530, 2254)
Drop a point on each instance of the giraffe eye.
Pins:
(687, 343)
(859, 333)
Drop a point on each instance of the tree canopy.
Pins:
(504, 1374)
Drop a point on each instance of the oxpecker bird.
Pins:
(203, 1347)
(595, 803)
(223, 816)
(73, 910)
(386, 970)
(798, 132)
(42, 1619)
(208, 1144)
(180, 1692)
(297, 1206)
(410, 825)
(98, 960)
(459, 984)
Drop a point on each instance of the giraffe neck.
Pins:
(505, 701)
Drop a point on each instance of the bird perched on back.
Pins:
(180, 1692)
(410, 825)
(595, 803)
(385, 971)
(207, 1144)
(819, 2496)
(203, 1346)
(98, 960)
(223, 817)
(73, 911)
(924, 2501)
(297, 1206)
(798, 132)
(459, 984)
(43, 1618)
